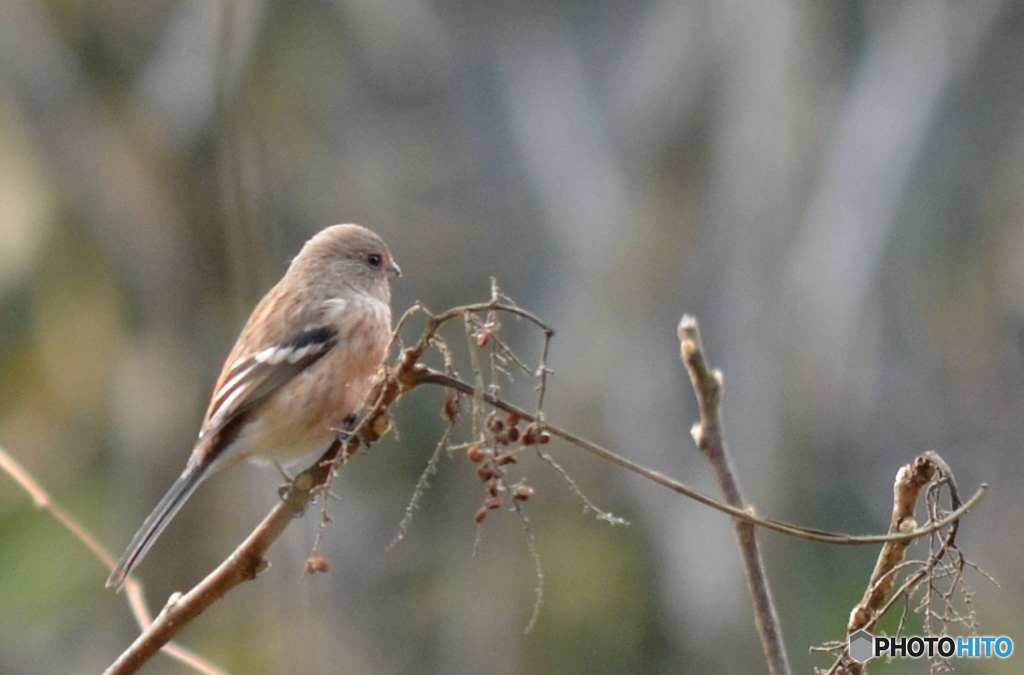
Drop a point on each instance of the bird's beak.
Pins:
(394, 270)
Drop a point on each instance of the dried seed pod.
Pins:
(513, 434)
(485, 472)
(482, 337)
(529, 436)
(315, 564)
(494, 487)
(492, 502)
(512, 419)
(544, 437)
(475, 453)
(480, 515)
(503, 458)
(452, 404)
(522, 493)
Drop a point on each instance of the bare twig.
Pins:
(708, 434)
(588, 505)
(929, 471)
(133, 589)
(247, 561)
(910, 480)
(430, 376)
(499, 303)
(421, 487)
(531, 545)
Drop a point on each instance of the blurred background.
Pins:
(835, 189)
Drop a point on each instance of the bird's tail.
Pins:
(156, 521)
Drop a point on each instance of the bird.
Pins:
(298, 373)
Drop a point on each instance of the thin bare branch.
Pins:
(133, 589)
(928, 472)
(531, 545)
(710, 438)
(430, 376)
(421, 487)
(247, 561)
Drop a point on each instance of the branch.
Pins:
(133, 590)
(709, 435)
(929, 469)
(247, 561)
(431, 376)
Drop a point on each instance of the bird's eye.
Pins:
(374, 259)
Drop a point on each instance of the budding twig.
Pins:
(708, 434)
(929, 471)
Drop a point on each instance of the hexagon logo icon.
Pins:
(861, 646)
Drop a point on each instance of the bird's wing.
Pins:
(250, 379)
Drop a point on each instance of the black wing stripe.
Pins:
(254, 378)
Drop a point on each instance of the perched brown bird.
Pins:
(302, 366)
